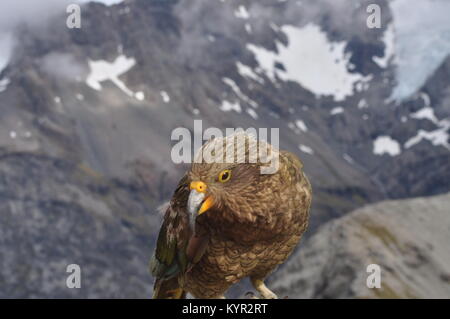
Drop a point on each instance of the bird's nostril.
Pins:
(199, 186)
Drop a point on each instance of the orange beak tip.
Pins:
(207, 204)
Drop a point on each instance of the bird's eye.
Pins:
(224, 176)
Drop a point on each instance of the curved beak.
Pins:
(198, 203)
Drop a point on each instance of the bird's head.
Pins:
(227, 188)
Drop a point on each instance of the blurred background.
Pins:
(87, 114)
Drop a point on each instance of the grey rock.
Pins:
(408, 239)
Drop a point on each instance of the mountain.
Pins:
(88, 114)
(406, 238)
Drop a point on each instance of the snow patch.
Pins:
(301, 125)
(227, 106)
(4, 84)
(242, 13)
(386, 145)
(312, 61)
(165, 96)
(438, 137)
(139, 95)
(102, 70)
(425, 113)
(252, 113)
(246, 71)
(306, 149)
(337, 110)
(362, 104)
(238, 92)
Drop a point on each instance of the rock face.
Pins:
(408, 239)
(87, 117)
(56, 212)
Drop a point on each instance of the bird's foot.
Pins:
(250, 295)
(265, 292)
(268, 295)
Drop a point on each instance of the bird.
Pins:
(227, 221)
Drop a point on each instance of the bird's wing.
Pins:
(177, 249)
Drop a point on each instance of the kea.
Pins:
(228, 219)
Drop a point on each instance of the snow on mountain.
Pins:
(320, 66)
(425, 113)
(337, 110)
(4, 84)
(362, 104)
(252, 113)
(246, 71)
(102, 70)
(165, 96)
(386, 145)
(437, 137)
(230, 106)
(306, 149)
(241, 12)
(235, 88)
(422, 42)
(301, 125)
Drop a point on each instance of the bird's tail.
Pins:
(168, 289)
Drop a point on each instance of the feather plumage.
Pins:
(254, 225)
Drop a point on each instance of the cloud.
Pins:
(6, 46)
(62, 66)
(34, 14)
(30, 12)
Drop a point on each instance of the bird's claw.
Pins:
(250, 295)
(269, 295)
